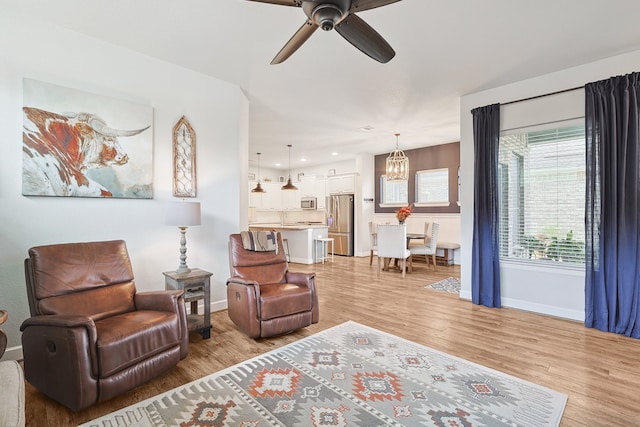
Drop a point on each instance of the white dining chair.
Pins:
(423, 241)
(430, 246)
(392, 243)
(373, 240)
(427, 226)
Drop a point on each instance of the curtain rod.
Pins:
(543, 95)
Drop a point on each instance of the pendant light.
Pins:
(397, 165)
(289, 185)
(258, 188)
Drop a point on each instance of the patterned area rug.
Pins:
(450, 284)
(349, 375)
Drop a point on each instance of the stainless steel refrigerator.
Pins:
(340, 221)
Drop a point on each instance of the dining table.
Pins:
(414, 236)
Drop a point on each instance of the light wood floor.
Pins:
(600, 372)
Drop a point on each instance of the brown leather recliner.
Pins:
(91, 335)
(264, 298)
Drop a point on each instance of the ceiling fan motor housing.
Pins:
(326, 14)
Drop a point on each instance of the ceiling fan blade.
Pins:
(360, 5)
(296, 41)
(295, 3)
(366, 39)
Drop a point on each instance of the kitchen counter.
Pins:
(285, 226)
(300, 238)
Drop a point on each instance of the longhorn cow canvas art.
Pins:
(79, 144)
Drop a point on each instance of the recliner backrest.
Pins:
(263, 267)
(92, 279)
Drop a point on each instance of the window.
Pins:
(541, 178)
(393, 193)
(432, 187)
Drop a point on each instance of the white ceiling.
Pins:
(320, 98)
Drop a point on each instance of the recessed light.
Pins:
(367, 128)
(334, 154)
(303, 159)
(277, 164)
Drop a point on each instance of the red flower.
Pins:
(403, 213)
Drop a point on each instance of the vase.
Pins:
(400, 222)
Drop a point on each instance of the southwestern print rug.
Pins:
(450, 284)
(349, 375)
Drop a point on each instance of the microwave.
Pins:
(308, 202)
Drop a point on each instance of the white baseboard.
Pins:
(219, 305)
(536, 308)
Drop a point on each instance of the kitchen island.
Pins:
(300, 237)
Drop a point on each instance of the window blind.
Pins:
(541, 194)
(393, 192)
(432, 187)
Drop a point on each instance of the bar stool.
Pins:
(285, 243)
(323, 242)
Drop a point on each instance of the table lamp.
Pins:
(183, 215)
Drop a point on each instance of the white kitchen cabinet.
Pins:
(320, 192)
(277, 199)
(307, 187)
(255, 199)
(313, 187)
(269, 200)
(290, 199)
(341, 184)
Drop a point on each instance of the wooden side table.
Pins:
(196, 285)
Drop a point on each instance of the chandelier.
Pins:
(397, 165)
(289, 185)
(258, 188)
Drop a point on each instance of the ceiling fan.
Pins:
(338, 14)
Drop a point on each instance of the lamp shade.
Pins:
(397, 168)
(289, 185)
(183, 214)
(258, 188)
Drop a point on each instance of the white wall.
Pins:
(217, 111)
(364, 206)
(544, 290)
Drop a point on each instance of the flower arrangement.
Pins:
(403, 213)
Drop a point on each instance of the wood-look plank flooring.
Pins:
(600, 372)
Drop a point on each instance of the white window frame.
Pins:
(395, 203)
(420, 190)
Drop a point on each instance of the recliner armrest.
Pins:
(236, 280)
(65, 322)
(171, 301)
(240, 281)
(308, 280)
(60, 321)
(66, 334)
(158, 300)
(301, 278)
